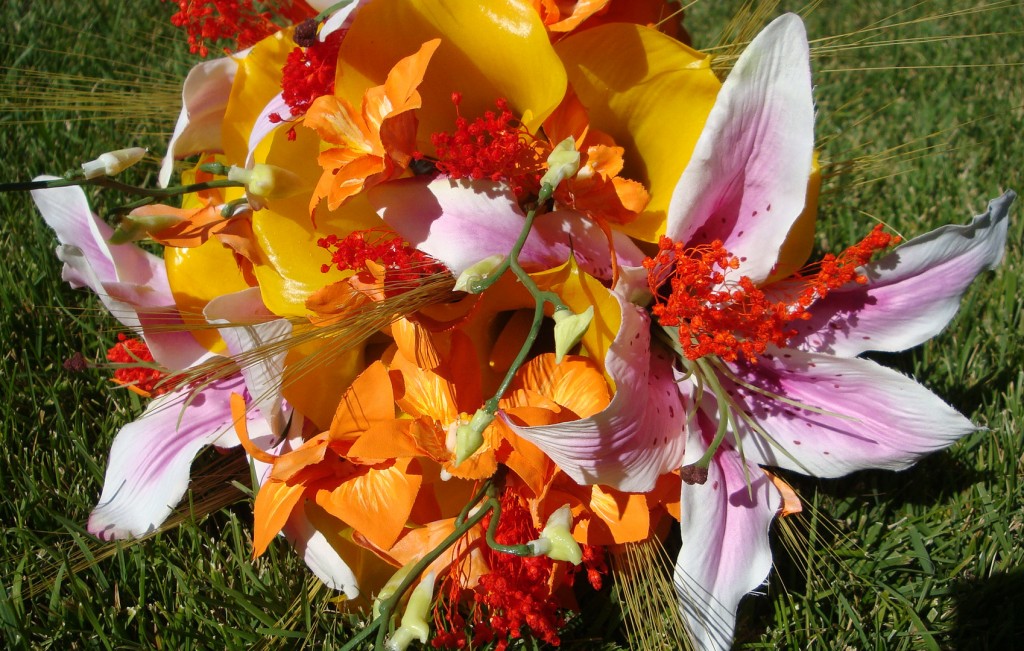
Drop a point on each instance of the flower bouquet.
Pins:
(491, 294)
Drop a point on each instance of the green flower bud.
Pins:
(556, 541)
(137, 227)
(569, 329)
(470, 436)
(414, 621)
(474, 274)
(563, 163)
(264, 182)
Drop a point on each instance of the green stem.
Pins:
(540, 297)
(326, 13)
(723, 414)
(492, 529)
(109, 183)
(388, 606)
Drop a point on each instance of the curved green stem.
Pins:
(381, 623)
(492, 529)
(541, 297)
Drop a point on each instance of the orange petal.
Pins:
(337, 122)
(405, 77)
(620, 517)
(238, 410)
(273, 505)
(310, 453)
(415, 344)
(370, 400)
(791, 503)
(425, 393)
(576, 383)
(376, 502)
(399, 438)
(416, 542)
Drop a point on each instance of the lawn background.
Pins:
(925, 559)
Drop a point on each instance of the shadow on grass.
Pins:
(934, 480)
(988, 613)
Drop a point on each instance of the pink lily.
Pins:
(463, 222)
(204, 99)
(131, 283)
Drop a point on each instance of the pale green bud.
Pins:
(137, 227)
(470, 436)
(563, 163)
(113, 162)
(264, 182)
(569, 329)
(477, 272)
(556, 541)
(414, 620)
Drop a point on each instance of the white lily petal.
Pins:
(253, 327)
(912, 293)
(148, 470)
(724, 530)
(746, 182)
(204, 97)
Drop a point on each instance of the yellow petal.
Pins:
(487, 51)
(257, 81)
(289, 269)
(198, 275)
(579, 291)
(797, 247)
(652, 97)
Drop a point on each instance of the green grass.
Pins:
(924, 559)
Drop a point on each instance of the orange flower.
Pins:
(376, 144)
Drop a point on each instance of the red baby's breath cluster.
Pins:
(308, 74)
(714, 317)
(514, 598)
(141, 376)
(496, 147)
(403, 264)
(733, 318)
(834, 271)
(240, 22)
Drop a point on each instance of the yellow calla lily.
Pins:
(257, 81)
(488, 50)
(653, 98)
